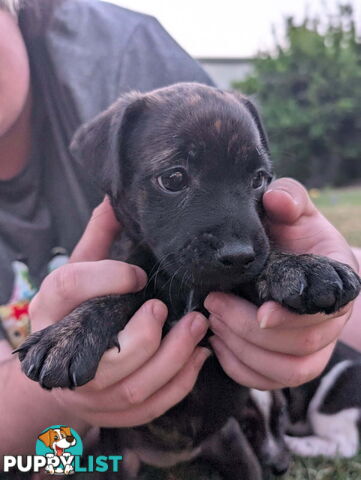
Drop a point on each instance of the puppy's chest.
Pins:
(214, 399)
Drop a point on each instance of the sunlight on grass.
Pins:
(343, 208)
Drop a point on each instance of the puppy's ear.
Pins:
(45, 438)
(66, 430)
(256, 117)
(98, 144)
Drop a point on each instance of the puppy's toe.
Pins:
(32, 354)
(66, 354)
(351, 282)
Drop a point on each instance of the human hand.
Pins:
(270, 347)
(149, 375)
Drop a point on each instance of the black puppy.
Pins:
(185, 168)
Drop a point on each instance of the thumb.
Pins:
(98, 236)
(286, 201)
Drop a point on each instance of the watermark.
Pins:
(59, 450)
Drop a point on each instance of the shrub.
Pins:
(309, 92)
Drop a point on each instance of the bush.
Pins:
(310, 97)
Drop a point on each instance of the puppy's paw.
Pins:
(67, 353)
(308, 283)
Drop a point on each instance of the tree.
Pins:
(309, 92)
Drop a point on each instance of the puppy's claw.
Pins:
(30, 370)
(74, 380)
(115, 343)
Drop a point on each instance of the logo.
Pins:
(59, 450)
(59, 444)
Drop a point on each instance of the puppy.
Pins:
(185, 168)
(325, 414)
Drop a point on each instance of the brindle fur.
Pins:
(218, 137)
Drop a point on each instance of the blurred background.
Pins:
(301, 62)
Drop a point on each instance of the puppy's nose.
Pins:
(236, 255)
(280, 469)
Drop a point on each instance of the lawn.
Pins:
(343, 208)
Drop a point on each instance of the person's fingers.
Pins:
(238, 371)
(161, 401)
(174, 352)
(296, 225)
(284, 369)
(273, 315)
(299, 342)
(74, 283)
(98, 236)
(138, 341)
(286, 200)
(232, 318)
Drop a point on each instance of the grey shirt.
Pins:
(83, 55)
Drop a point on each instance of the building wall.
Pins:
(225, 71)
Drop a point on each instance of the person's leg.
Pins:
(352, 332)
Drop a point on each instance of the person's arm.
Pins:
(25, 407)
(270, 347)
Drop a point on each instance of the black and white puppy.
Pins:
(185, 168)
(325, 414)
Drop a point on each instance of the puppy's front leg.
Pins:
(67, 353)
(308, 283)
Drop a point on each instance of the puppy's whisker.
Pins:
(158, 267)
(170, 285)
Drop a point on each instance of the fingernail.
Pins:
(269, 315)
(214, 303)
(289, 195)
(215, 323)
(198, 327)
(202, 356)
(141, 277)
(265, 320)
(263, 323)
(159, 310)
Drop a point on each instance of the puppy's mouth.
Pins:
(225, 278)
(59, 451)
(209, 276)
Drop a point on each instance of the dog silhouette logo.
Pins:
(59, 444)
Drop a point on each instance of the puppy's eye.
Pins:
(173, 180)
(260, 180)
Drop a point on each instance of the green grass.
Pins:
(321, 469)
(301, 469)
(343, 208)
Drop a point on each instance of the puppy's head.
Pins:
(264, 421)
(185, 168)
